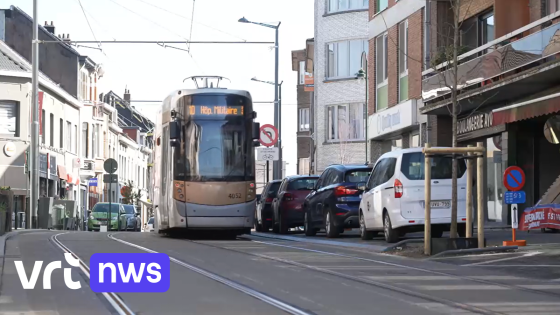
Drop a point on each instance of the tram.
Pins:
(204, 160)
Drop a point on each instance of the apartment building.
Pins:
(303, 65)
(341, 36)
(508, 92)
(395, 73)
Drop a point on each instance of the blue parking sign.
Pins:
(514, 197)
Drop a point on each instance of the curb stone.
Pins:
(6, 236)
(457, 252)
(376, 248)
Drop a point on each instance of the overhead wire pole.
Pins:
(34, 147)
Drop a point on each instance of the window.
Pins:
(346, 5)
(83, 85)
(344, 58)
(303, 119)
(51, 126)
(9, 123)
(85, 140)
(414, 140)
(68, 136)
(303, 166)
(382, 93)
(487, 23)
(43, 135)
(75, 140)
(396, 144)
(381, 5)
(357, 176)
(345, 122)
(412, 166)
(61, 133)
(477, 31)
(383, 172)
(95, 141)
(552, 6)
(403, 61)
(302, 72)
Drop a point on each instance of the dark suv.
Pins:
(263, 213)
(334, 202)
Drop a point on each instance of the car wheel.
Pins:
(258, 226)
(309, 230)
(331, 229)
(391, 235)
(364, 233)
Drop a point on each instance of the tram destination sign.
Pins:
(221, 110)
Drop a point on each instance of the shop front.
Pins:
(397, 127)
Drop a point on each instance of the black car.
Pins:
(263, 213)
(334, 202)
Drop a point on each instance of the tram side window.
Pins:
(164, 159)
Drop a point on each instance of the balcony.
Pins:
(508, 68)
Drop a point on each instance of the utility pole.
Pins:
(279, 143)
(277, 170)
(34, 148)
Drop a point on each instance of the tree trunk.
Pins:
(456, 11)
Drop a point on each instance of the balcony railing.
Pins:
(503, 55)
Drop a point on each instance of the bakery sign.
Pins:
(474, 122)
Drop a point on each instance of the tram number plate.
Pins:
(235, 196)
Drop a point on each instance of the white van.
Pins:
(393, 199)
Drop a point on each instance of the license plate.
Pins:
(440, 204)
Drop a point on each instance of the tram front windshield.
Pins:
(216, 140)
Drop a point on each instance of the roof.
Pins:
(348, 166)
(301, 176)
(45, 31)
(8, 64)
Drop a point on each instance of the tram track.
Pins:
(290, 309)
(426, 297)
(114, 300)
(428, 271)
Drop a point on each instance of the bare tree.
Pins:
(343, 135)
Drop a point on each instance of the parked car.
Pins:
(130, 220)
(288, 204)
(334, 201)
(263, 213)
(99, 215)
(149, 227)
(393, 200)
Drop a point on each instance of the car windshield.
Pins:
(302, 184)
(273, 189)
(151, 221)
(104, 208)
(412, 166)
(129, 209)
(358, 176)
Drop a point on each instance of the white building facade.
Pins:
(341, 36)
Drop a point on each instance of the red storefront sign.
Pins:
(542, 217)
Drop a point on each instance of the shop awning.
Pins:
(532, 108)
(73, 179)
(62, 172)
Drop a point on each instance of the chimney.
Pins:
(67, 38)
(49, 28)
(127, 95)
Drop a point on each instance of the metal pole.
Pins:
(267, 172)
(34, 148)
(276, 164)
(427, 203)
(366, 103)
(280, 146)
(109, 219)
(479, 192)
(469, 224)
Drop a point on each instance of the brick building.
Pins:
(302, 63)
(395, 71)
(341, 33)
(508, 92)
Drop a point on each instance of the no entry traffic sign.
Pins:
(514, 178)
(268, 135)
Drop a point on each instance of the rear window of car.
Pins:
(302, 183)
(357, 176)
(412, 166)
(273, 189)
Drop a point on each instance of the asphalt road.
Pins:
(255, 276)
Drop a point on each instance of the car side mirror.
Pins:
(362, 187)
(174, 130)
(311, 187)
(256, 130)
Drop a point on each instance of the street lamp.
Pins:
(279, 125)
(276, 171)
(362, 75)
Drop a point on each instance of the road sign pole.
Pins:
(514, 180)
(267, 172)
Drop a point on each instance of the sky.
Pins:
(152, 72)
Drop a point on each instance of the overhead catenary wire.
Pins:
(90, 28)
(191, 28)
(192, 20)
